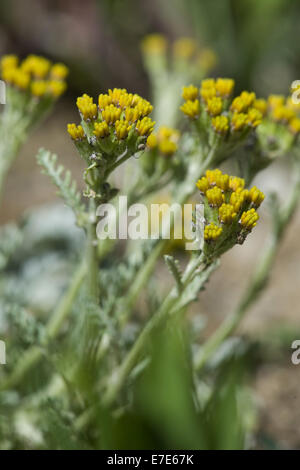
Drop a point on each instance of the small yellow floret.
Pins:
(276, 100)
(36, 65)
(111, 114)
(249, 219)
(214, 106)
(104, 100)
(203, 184)
(220, 124)
(212, 232)
(167, 147)
(256, 196)
(254, 117)
(87, 107)
(294, 125)
(242, 103)
(226, 213)
(224, 87)
(184, 48)
(59, 71)
(236, 183)
(213, 175)
(56, 88)
(191, 108)
(101, 129)
(154, 44)
(190, 93)
(239, 121)
(215, 197)
(76, 132)
(9, 61)
(261, 105)
(39, 88)
(282, 114)
(145, 126)
(122, 128)
(152, 141)
(116, 94)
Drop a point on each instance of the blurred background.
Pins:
(256, 42)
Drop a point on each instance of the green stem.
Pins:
(147, 268)
(34, 354)
(92, 261)
(119, 376)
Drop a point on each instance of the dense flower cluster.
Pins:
(35, 75)
(229, 210)
(165, 141)
(212, 105)
(120, 121)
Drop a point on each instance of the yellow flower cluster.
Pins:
(283, 111)
(117, 113)
(165, 140)
(34, 74)
(76, 132)
(228, 206)
(242, 113)
(183, 49)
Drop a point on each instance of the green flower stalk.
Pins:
(32, 87)
(169, 67)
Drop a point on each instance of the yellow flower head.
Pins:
(256, 196)
(122, 128)
(224, 87)
(242, 103)
(213, 175)
(184, 48)
(155, 44)
(294, 126)
(36, 65)
(276, 100)
(167, 147)
(214, 106)
(239, 121)
(203, 185)
(116, 94)
(254, 117)
(282, 114)
(39, 88)
(191, 108)
(215, 196)
(145, 126)
(261, 105)
(111, 114)
(9, 62)
(56, 88)
(101, 130)
(249, 219)
(212, 232)
(33, 74)
(59, 71)
(104, 100)
(87, 107)
(220, 124)
(236, 183)
(226, 213)
(76, 132)
(152, 141)
(190, 93)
